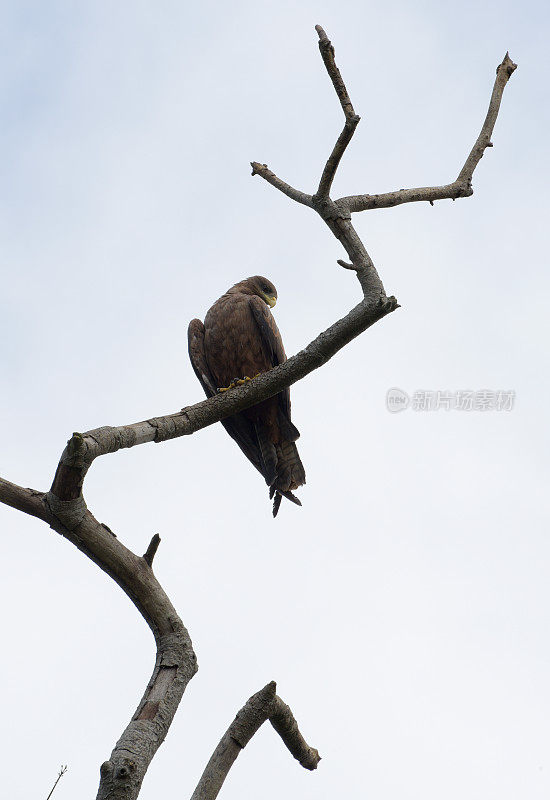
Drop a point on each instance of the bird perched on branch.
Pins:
(239, 340)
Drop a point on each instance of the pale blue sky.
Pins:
(404, 609)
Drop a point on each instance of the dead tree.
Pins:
(64, 509)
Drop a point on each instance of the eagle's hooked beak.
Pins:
(270, 299)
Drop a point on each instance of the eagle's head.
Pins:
(260, 286)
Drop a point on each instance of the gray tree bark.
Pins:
(64, 509)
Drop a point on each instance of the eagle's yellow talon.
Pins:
(236, 382)
(227, 388)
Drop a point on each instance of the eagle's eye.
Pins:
(265, 289)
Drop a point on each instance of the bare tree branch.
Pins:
(270, 177)
(366, 202)
(462, 187)
(327, 54)
(286, 726)
(352, 120)
(27, 500)
(262, 706)
(175, 664)
(504, 73)
(334, 159)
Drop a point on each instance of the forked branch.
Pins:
(264, 705)
(337, 213)
(60, 774)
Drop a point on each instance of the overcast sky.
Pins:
(404, 610)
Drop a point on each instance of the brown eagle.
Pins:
(240, 339)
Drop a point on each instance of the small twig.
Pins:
(294, 194)
(260, 707)
(62, 771)
(151, 551)
(345, 264)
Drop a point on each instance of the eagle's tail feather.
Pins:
(288, 431)
(278, 496)
(292, 498)
(276, 502)
(268, 453)
(290, 475)
(290, 470)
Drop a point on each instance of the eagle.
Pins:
(239, 340)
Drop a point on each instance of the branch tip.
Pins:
(508, 64)
(327, 54)
(345, 264)
(257, 168)
(75, 443)
(269, 176)
(283, 721)
(262, 706)
(151, 551)
(322, 34)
